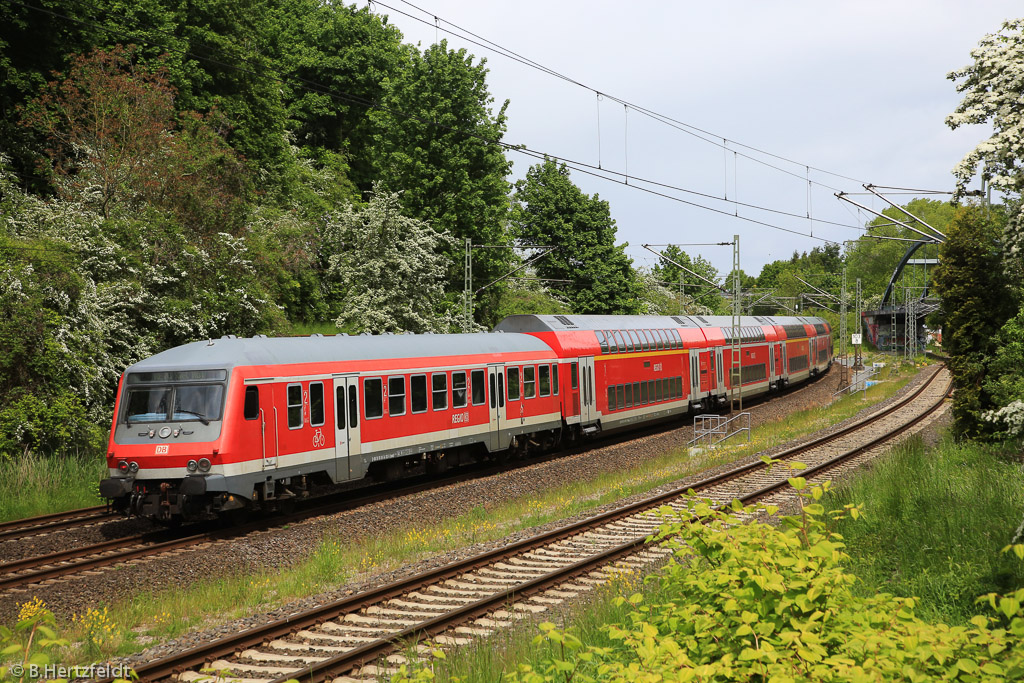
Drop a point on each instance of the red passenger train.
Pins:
(232, 423)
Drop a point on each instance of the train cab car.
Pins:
(232, 423)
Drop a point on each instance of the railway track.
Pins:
(30, 526)
(69, 562)
(366, 635)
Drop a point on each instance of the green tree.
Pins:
(976, 301)
(438, 142)
(349, 54)
(698, 294)
(113, 138)
(550, 209)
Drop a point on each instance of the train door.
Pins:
(588, 403)
(496, 401)
(771, 363)
(346, 428)
(574, 389)
(704, 367)
(694, 375)
(718, 367)
(268, 425)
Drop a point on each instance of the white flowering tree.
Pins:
(993, 87)
(390, 268)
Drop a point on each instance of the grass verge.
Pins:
(168, 613)
(36, 484)
(935, 522)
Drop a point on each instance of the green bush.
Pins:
(764, 601)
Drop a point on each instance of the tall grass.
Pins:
(935, 523)
(35, 484)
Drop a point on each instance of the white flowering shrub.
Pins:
(390, 269)
(993, 87)
(82, 297)
(1010, 418)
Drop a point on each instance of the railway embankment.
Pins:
(482, 501)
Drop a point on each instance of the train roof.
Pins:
(563, 323)
(230, 351)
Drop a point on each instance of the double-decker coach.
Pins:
(641, 368)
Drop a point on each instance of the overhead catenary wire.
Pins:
(711, 138)
(582, 167)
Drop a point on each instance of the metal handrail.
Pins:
(719, 427)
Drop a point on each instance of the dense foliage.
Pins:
(763, 601)
(173, 172)
(982, 274)
(550, 210)
(976, 301)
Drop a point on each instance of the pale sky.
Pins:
(855, 89)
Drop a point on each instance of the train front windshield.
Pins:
(157, 397)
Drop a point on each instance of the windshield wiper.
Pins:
(202, 418)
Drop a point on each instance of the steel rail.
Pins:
(336, 666)
(259, 635)
(30, 526)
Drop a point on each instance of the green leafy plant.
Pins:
(30, 643)
(771, 599)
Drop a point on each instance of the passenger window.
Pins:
(252, 403)
(679, 340)
(339, 406)
(529, 381)
(458, 390)
(644, 340)
(317, 414)
(396, 396)
(554, 378)
(373, 397)
(602, 341)
(643, 393)
(295, 406)
(418, 389)
(611, 398)
(545, 380)
(513, 384)
(650, 391)
(574, 375)
(636, 393)
(629, 395)
(629, 340)
(620, 394)
(439, 390)
(613, 346)
(477, 377)
(619, 341)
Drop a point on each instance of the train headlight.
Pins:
(122, 466)
(204, 465)
(192, 466)
(133, 467)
